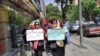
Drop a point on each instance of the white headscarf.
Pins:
(35, 21)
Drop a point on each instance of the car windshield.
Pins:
(92, 25)
(74, 24)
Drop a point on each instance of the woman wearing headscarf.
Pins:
(59, 50)
(38, 45)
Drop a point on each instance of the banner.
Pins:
(56, 34)
(37, 34)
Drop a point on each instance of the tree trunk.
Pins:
(63, 15)
(90, 16)
(63, 8)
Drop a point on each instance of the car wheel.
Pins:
(78, 33)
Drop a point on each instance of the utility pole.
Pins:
(80, 23)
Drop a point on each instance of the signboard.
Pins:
(56, 34)
(37, 34)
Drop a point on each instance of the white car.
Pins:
(74, 27)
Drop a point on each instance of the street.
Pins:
(93, 41)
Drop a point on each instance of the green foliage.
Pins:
(88, 8)
(88, 5)
(63, 5)
(12, 16)
(15, 18)
(97, 11)
(72, 13)
(28, 20)
(19, 19)
(52, 11)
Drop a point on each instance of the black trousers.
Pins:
(48, 47)
(39, 51)
(59, 51)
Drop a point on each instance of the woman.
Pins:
(38, 45)
(59, 50)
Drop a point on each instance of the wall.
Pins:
(5, 41)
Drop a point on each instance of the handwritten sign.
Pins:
(56, 34)
(36, 34)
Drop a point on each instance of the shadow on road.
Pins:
(75, 44)
(93, 36)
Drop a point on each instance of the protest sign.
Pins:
(56, 34)
(36, 34)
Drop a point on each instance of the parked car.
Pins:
(74, 27)
(91, 29)
(97, 20)
(84, 24)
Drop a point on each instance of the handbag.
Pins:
(60, 43)
(53, 45)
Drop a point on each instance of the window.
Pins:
(92, 25)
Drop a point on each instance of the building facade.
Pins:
(98, 3)
(75, 2)
(41, 7)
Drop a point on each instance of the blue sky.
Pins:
(49, 1)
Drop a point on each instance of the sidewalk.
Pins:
(74, 50)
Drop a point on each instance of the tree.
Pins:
(97, 11)
(64, 5)
(15, 18)
(52, 11)
(19, 19)
(72, 13)
(88, 8)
